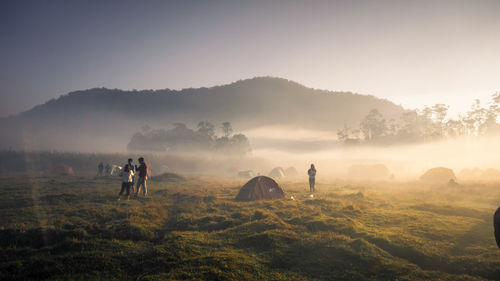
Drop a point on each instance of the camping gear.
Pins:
(291, 172)
(277, 173)
(438, 175)
(260, 188)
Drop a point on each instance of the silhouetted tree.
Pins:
(182, 138)
(347, 136)
(490, 124)
(439, 112)
(227, 129)
(206, 128)
(373, 125)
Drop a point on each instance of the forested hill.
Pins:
(94, 116)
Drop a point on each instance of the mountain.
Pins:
(103, 119)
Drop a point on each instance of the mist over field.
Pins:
(283, 124)
(282, 140)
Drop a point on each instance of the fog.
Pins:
(300, 148)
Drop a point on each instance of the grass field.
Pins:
(73, 228)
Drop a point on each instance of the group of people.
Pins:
(127, 176)
(102, 170)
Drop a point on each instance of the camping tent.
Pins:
(291, 172)
(438, 175)
(260, 188)
(168, 177)
(277, 173)
(63, 170)
(496, 224)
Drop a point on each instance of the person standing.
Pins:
(129, 164)
(143, 177)
(107, 170)
(100, 168)
(312, 177)
(126, 175)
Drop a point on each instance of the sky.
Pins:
(414, 53)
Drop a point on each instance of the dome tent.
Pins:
(438, 175)
(277, 173)
(260, 188)
(291, 172)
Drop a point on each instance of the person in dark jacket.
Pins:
(107, 170)
(312, 177)
(142, 170)
(100, 169)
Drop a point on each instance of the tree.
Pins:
(227, 129)
(373, 125)
(490, 124)
(475, 118)
(454, 128)
(393, 127)
(182, 138)
(348, 136)
(426, 117)
(343, 134)
(206, 129)
(411, 129)
(439, 112)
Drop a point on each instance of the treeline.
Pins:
(181, 138)
(428, 124)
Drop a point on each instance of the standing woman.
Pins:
(131, 167)
(312, 177)
(126, 175)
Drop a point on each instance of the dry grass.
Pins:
(74, 229)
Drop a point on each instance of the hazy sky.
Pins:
(411, 52)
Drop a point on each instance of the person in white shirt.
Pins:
(127, 176)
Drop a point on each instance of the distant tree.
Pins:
(426, 120)
(227, 129)
(475, 118)
(206, 129)
(182, 138)
(411, 128)
(347, 136)
(343, 134)
(454, 128)
(240, 144)
(373, 125)
(439, 112)
(393, 127)
(490, 124)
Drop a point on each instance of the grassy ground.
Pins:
(72, 228)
